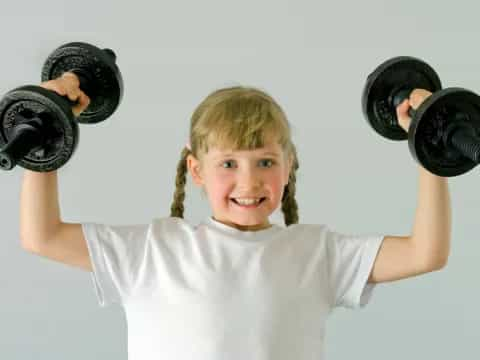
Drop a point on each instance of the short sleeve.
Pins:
(116, 255)
(350, 261)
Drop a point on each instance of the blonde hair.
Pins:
(240, 118)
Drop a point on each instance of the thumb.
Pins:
(402, 115)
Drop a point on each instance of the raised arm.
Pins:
(42, 230)
(427, 248)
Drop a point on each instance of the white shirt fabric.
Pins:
(213, 292)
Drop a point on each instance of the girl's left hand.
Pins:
(417, 97)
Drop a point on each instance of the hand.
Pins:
(417, 97)
(69, 85)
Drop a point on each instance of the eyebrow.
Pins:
(262, 154)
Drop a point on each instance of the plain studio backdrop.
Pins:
(313, 57)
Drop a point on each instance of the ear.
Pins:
(194, 168)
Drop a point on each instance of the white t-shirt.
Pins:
(213, 292)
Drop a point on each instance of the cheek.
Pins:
(274, 180)
(274, 185)
(220, 186)
(277, 189)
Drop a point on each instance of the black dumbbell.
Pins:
(444, 135)
(38, 130)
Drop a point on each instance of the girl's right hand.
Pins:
(69, 85)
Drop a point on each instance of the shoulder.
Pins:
(309, 236)
(307, 231)
(171, 225)
(324, 234)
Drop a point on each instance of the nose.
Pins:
(248, 178)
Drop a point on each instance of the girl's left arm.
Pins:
(433, 219)
(428, 247)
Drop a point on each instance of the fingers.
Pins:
(402, 114)
(83, 102)
(68, 85)
(418, 96)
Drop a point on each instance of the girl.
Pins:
(234, 286)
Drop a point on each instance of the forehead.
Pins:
(270, 149)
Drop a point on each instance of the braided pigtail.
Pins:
(177, 209)
(289, 203)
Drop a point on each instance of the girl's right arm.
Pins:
(41, 229)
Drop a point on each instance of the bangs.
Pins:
(241, 123)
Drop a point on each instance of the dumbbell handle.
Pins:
(399, 96)
(25, 137)
(461, 136)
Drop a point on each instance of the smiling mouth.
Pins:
(248, 206)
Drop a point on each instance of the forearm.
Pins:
(432, 228)
(39, 207)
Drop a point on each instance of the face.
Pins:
(226, 174)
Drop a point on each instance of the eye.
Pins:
(269, 161)
(226, 162)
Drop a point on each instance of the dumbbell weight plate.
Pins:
(105, 87)
(404, 71)
(425, 134)
(58, 120)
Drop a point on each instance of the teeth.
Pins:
(247, 201)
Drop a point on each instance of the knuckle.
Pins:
(59, 90)
(85, 98)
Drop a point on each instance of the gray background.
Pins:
(313, 57)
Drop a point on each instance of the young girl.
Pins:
(234, 286)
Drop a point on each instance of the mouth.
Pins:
(248, 206)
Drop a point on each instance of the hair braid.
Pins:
(289, 203)
(176, 210)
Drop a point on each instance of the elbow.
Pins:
(34, 242)
(436, 257)
(440, 263)
(29, 245)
